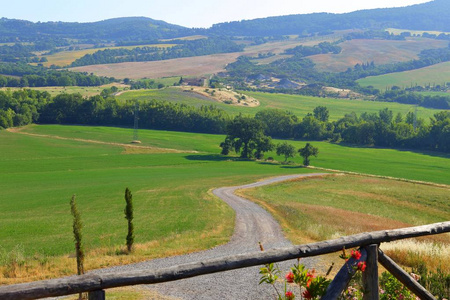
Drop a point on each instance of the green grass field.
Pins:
(86, 91)
(435, 93)
(436, 74)
(39, 175)
(170, 190)
(299, 105)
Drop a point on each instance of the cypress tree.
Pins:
(77, 227)
(129, 216)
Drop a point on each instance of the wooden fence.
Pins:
(369, 242)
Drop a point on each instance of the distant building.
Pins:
(202, 81)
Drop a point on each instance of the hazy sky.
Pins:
(190, 13)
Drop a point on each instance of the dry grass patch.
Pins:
(397, 31)
(413, 252)
(186, 38)
(18, 269)
(83, 90)
(65, 58)
(379, 51)
(315, 209)
(130, 293)
(188, 66)
(223, 96)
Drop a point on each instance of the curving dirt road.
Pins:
(253, 225)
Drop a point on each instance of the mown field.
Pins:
(170, 191)
(397, 31)
(188, 66)
(324, 208)
(299, 105)
(193, 66)
(379, 51)
(435, 74)
(65, 58)
(353, 52)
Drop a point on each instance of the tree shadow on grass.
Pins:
(417, 151)
(293, 167)
(214, 157)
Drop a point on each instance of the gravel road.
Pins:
(253, 225)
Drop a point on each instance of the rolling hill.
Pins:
(428, 16)
(118, 29)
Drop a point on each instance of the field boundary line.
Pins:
(19, 131)
(441, 185)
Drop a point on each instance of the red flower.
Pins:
(290, 295)
(310, 277)
(356, 254)
(362, 266)
(307, 295)
(290, 277)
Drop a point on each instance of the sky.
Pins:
(189, 13)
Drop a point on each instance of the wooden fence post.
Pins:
(404, 277)
(370, 275)
(343, 277)
(97, 295)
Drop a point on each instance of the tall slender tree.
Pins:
(129, 216)
(77, 228)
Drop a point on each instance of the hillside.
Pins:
(118, 29)
(438, 74)
(428, 16)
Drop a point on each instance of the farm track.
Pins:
(253, 224)
(153, 149)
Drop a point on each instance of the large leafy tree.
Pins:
(246, 136)
(278, 123)
(286, 149)
(308, 151)
(321, 113)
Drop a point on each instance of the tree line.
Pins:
(405, 97)
(321, 48)
(23, 107)
(24, 75)
(382, 129)
(24, 52)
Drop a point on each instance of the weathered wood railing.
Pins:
(95, 284)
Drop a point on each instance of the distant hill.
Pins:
(119, 29)
(428, 16)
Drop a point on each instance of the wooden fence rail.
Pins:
(98, 282)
